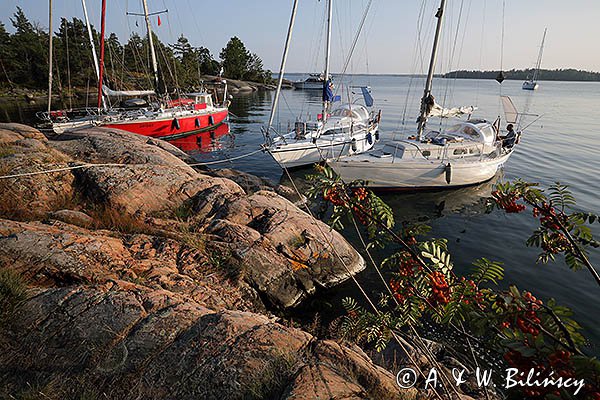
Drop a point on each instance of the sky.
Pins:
(389, 42)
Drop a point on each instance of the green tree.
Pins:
(235, 58)
(254, 70)
(6, 57)
(29, 44)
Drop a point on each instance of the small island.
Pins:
(568, 74)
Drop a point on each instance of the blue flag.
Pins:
(337, 98)
(327, 92)
(367, 96)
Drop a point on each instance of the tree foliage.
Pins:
(24, 59)
(239, 63)
(527, 333)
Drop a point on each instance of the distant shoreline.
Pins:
(564, 75)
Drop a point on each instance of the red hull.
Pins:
(174, 128)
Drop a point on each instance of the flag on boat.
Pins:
(366, 92)
(159, 20)
(327, 91)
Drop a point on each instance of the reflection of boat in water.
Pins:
(429, 205)
(203, 142)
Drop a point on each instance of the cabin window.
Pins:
(458, 152)
(426, 153)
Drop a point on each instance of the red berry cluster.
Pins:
(334, 195)
(508, 201)
(440, 292)
(522, 318)
(400, 291)
(360, 193)
(361, 196)
(560, 360)
(548, 216)
(472, 293)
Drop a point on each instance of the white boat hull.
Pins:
(530, 85)
(308, 85)
(386, 174)
(304, 153)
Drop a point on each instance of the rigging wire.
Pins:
(478, 84)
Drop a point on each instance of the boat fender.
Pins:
(448, 171)
(314, 140)
(353, 145)
(379, 117)
(175, 124)
(369, 138)
(377, 135)
(211, 120)
(197, 123)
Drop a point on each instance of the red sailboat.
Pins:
(167, 119)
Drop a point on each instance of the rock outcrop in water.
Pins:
(153, 280)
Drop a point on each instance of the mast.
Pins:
(427, 93)
(539, 60)
(282, 68)
(327, 54)
(151, 43)
(101, 65)
(50, 56)
(93, 45)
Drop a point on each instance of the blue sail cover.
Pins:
(327, 92)
(367, 96)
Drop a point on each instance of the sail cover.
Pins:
(109, 92)
(510, 111)
(438, 111)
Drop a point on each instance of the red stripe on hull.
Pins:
(168, 127)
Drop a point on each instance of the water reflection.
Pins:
(204, 142)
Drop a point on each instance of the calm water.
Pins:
(561, 146)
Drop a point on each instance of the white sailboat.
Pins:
(350, 128)
(467, 153)
(313, 82)
(532, 84)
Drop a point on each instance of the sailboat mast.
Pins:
(427, 93)
(539, 60)
(282, 69)
(50, 56)
(327, 55)
(92, 44)
(101, 64)
(151, 43)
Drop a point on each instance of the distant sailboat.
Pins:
(532, 84)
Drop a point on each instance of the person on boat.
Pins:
(509, 140)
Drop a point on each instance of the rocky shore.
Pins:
(146, 278)
(132, 275)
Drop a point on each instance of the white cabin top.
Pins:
(202, 98)
(479, 131)
(353, 111)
